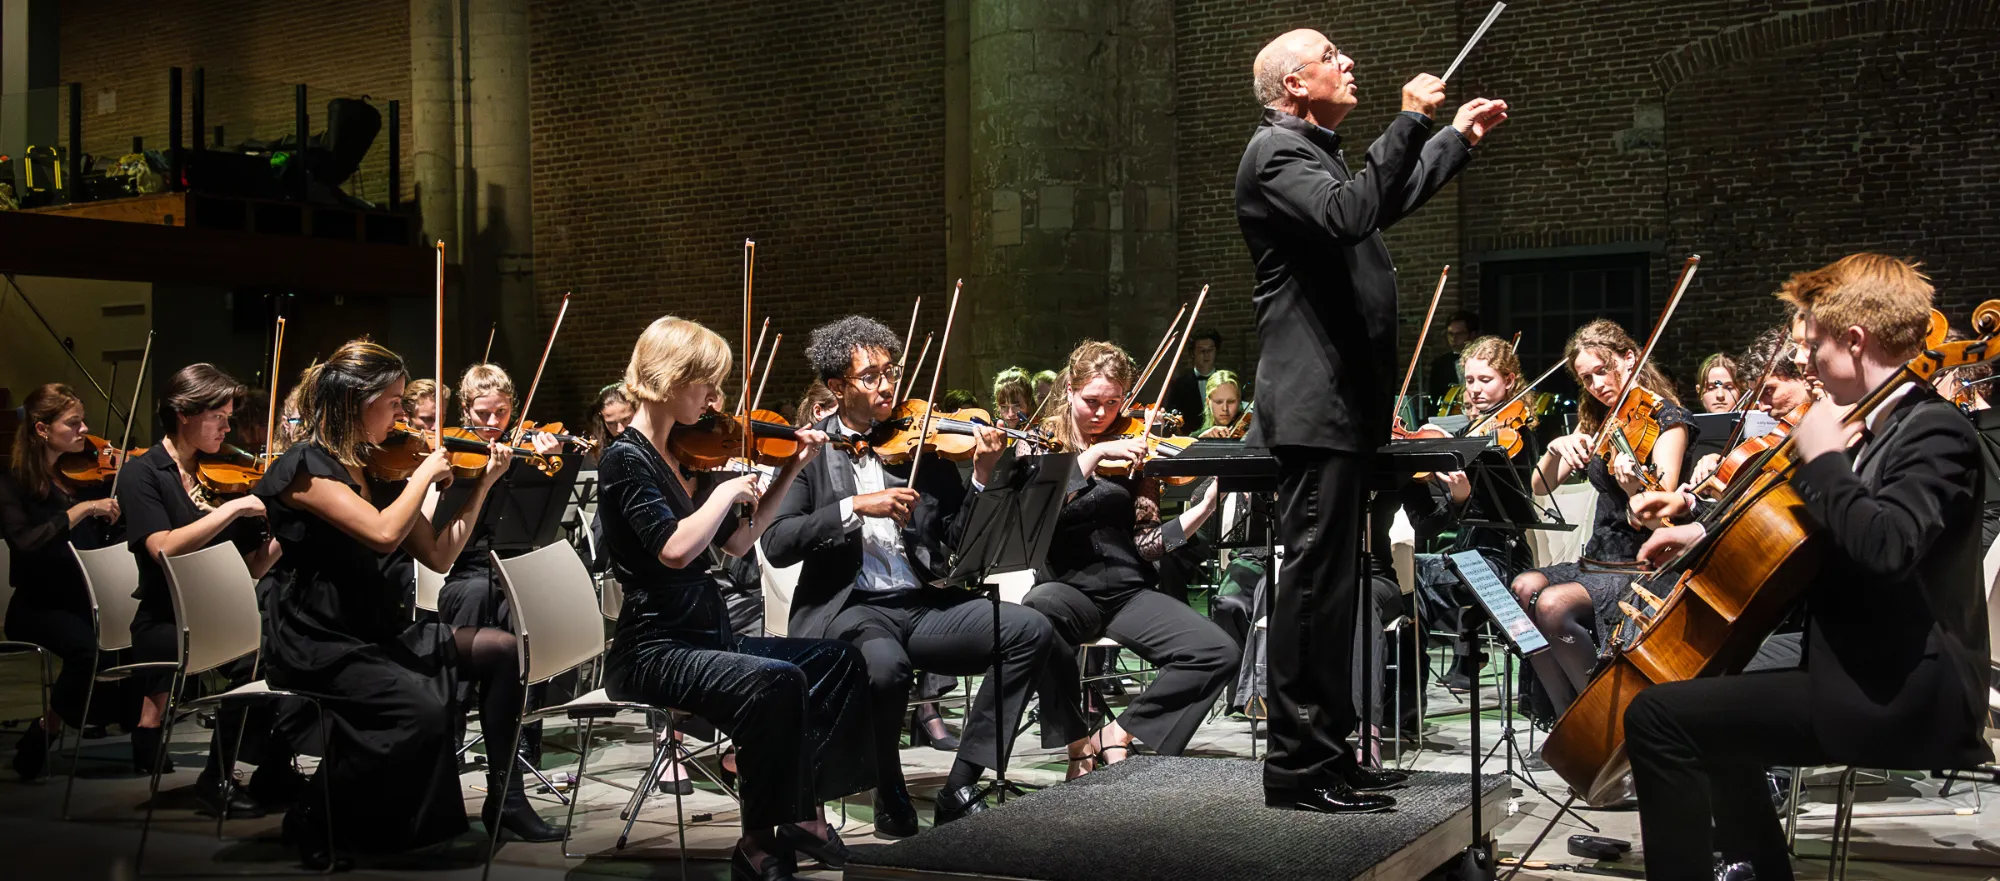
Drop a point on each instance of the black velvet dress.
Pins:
(797, 708)
(338, 628)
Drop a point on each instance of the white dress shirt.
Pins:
(884, 568)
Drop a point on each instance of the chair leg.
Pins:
(680, 818)
(326, 788)
(1792, 812)
(159, 767)
(646, 783)
(76, 752)
(1843, 828)
(576, 793)
(530, 767)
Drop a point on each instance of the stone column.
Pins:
(1071, 185)
(499, 233)
(432, 105)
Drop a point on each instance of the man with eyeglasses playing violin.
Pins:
(868, 543)
(1326, 317)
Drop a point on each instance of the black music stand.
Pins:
(1477, 574)
(524, 509)
(1008, 529)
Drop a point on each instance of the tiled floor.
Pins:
(102, 841)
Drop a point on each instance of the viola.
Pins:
(96, 462)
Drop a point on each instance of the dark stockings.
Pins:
(489, 656)
(1564, 614)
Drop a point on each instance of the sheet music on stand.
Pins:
(524, 509)
(1012, 521)
(1498, 601)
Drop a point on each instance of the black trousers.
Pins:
(1699, 749)
(1310, 660)
(951, 632)
(796, 708)
(67, 635)
(1195, 658)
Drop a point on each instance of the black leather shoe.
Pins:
(1372, 779)
(305, 832)
(31, 754)
(213, 792)
(1335, 799)
(831, 853)
(895, 817)
(774, 869)
(510, 809)
(953, 804)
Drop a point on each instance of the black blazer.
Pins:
(1896, 644)
(1326, 289)
(808, 529)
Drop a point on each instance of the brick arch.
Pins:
(1807, 27)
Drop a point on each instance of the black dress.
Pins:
(1100, 582)
(1612, 539)
(338, 629)
(797, 708)
(51, 606)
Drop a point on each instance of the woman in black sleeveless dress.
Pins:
(797, 708)
(338, 626)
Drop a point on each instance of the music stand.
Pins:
(1473, 570)
(523, 510)
(1008, 529)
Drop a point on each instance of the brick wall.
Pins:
(252, 54)
(1769, 137)
(816, 129)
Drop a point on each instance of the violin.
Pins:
(229, 471)
(715, 441)
(954, 434)
(555, 430)
(96, 462)
(468, 449)
(399, 454)
(1126, 428)
(1633, 430)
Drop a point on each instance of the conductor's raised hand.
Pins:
(1479, 116)
(1424, 95)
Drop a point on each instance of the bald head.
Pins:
(1280, 57)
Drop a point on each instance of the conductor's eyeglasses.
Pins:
(1332, 54)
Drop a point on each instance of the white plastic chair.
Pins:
(1578, 504)
(780, 582)
(110, 576)
(215, 607)
(429, 583)
(560, 629)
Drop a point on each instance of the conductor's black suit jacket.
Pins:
(1326, 290)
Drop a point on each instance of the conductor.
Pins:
(1325, 302)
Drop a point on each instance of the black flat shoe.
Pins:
(31, 754)
(1374, 779)
(953, 804)
(1335, 799)
(895, 816)
(831, 853)
(775, 868)
(214, 793)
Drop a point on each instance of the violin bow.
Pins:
(765, 377)
(125, 445)
(1515, 343)
(271, 411)
(921, 357)
(1179, 347)
(487, 356)
(1062, 380)
(547, 347)
(924, 425)
(1422, 333)
(896, 389)
(1652, 340)
(1154, 362)
(437, 434)
(1743, 405)
(743, 399)
(749, 271)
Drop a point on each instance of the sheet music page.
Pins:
(1498, 601)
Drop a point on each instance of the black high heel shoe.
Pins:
(921, 718)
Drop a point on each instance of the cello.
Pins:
(1726, 592)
